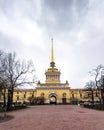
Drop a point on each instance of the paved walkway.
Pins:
(55, 117)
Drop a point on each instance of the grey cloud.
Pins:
(5, 42)
(62, 14)
(62, 6)
(10, 44)
(57, 5)
(56, 15)
(22, 8)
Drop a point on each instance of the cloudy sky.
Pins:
(77, 27)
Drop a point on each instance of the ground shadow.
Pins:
(6, 118)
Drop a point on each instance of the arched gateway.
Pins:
(52, 98)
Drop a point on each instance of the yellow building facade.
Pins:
(53, 91)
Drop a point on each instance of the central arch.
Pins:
(52, 98)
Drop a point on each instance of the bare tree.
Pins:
(98, 73)
(36, 100)
(90, 86)
(17, 73)
(3, 81)
(101, 82)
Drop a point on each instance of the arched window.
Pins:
(64, 95)
(42, 94)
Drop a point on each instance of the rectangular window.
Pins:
(89, 95)
(17, 98)
(80, 95)
(72, 95)
(24, 95)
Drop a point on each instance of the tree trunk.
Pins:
(10, 98)
(4, 100)
(102, 96)
(92, 96)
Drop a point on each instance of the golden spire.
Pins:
(52, 52)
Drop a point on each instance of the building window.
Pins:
(17, 98)
(80, 95)
(42, 94)
(88, 95)
(72, 95)
(32, 96)
(24, 95)
(64, 95)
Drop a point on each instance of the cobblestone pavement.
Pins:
(55, 117)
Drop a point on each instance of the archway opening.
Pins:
(53, 100)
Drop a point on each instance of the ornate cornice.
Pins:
(52, 88)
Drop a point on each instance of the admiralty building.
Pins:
(52, 91)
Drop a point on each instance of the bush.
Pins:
(13, 106)
(94, 106)
(16, 107)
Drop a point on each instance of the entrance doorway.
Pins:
(53, 100)
(63, 100)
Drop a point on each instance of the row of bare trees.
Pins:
(37, 100)
(97, 84)
(14, 73)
